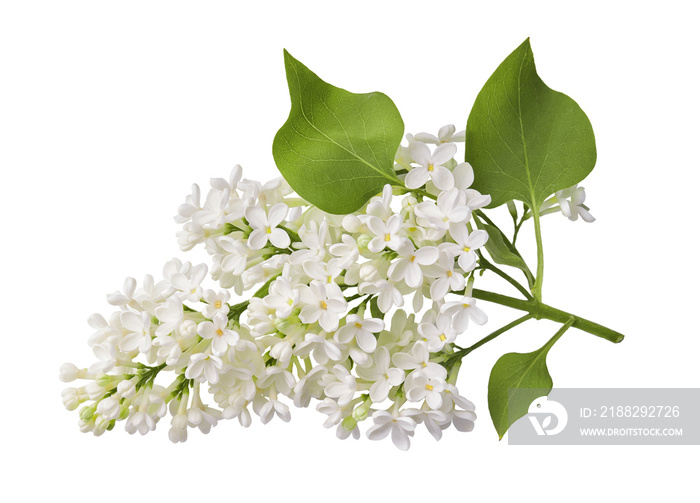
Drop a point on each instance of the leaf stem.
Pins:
(489, 266)
(463, 352)
(559, 333)
(537, 287)
(543, 311)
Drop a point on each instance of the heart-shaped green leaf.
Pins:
(524, 140)
(337, 148)
(516, 380)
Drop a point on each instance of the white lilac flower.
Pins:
(217, 303)
(388, 295)
(310, 386)
(342, 433)
(323, 348)
(333, 410)
(437, 334)
(386, 233)
(170, 315)
(400, 426)
(324, 303)
(361, 330)
(139, 334)
(178, 428)
(314, 237)
(202, 417)
(280, 378)
(347, 251)
(104, 330)
(213, 211)
(282, 297)
(325, 272)
(343, 385)
(218, 332)
(446, 277)
(126, 297)
(475, 199)
(189, 283)
(448, 210)
(465, 245)
(267, 409)
(408, 266)
(381, 206)
(431, 166)
(424, 386)
(265, 226)
(288, 342)
(446, 134)
(190, 236)
(382, 376)
(240, 410)
(419, 358)
(232, 183)
(203, 367)
(107, 355)
(462, 311)
(189, 207)
(434, 420)
(571, 203)
(234, 254)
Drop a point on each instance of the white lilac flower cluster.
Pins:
(313, 326)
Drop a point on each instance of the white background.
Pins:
(110, 110)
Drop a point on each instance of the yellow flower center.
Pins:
(428, 387)
(290, 302)
(269, 230)
(449, 274)
(413, 257)
(324, 305)
(219, 332)
(466, 249)
(387, 237)
(358, 325)
(465, 305)
(442, 337)
(430, 167)
(217, 304)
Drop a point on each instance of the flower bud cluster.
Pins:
(308, 305)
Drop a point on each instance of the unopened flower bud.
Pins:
(68, 372)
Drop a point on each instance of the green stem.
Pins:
(525, 216)
(463, 352)
(489, 266)
(542, 311)
(559, 333)
(537, 287)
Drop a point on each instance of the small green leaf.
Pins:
(524, 140)
(516, 380)
(503, 252)
(374, 308)
(337, 148)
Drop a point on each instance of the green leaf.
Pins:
(337, 148)
(503, 252)
(524, 140)
(516, 380)
(374, 308)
